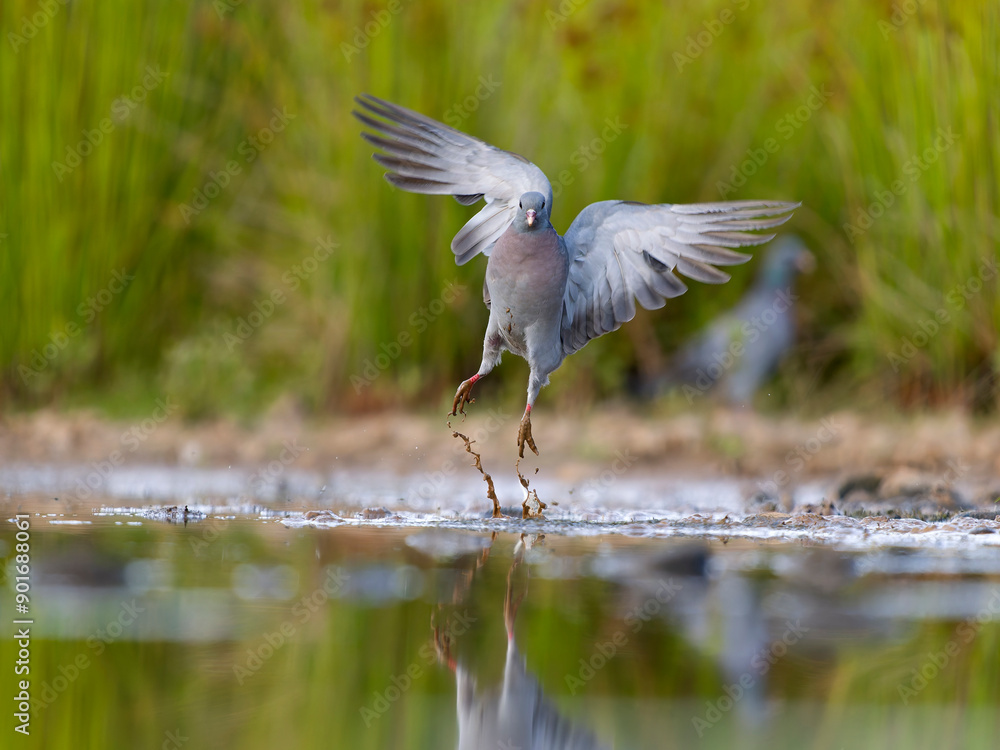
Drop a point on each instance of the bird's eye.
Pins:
(543, 204)
(519, 204)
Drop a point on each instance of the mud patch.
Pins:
(532, 506)
(491, 493)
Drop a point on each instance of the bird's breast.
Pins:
(527, 268)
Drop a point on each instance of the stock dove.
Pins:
(548, 295)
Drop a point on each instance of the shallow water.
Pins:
(651, 616)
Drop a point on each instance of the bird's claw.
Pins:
(462, 397)
(524, 436)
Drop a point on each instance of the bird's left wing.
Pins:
(426, 156)
(620, 252)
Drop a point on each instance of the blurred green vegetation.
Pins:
(148, 139)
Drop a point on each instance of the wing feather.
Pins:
(622, 253)
(426, 156)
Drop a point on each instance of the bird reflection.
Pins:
(717, 615)
(515, 715)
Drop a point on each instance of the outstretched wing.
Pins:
(621, 252)
(426, 156)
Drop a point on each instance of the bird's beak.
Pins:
(530, 214)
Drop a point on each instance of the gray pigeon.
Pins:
(741, 348)
(549, 295)
(517, 714)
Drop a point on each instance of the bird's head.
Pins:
(787, 258)
(532, 212)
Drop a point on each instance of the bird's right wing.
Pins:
(620, 252)
(426, 156)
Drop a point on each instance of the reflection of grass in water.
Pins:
(310, 691)
(687, 130)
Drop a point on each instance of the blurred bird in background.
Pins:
(736, 353)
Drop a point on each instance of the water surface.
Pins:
(253, 626)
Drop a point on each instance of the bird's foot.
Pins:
(442, 646)
(524, 434)
(463, 396)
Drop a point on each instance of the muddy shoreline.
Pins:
(931, 466)
(706, 443)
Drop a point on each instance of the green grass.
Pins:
(195, 276)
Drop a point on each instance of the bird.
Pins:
(549, 295)
(517, 714)
(741, 348)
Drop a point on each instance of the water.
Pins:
(630, 621)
